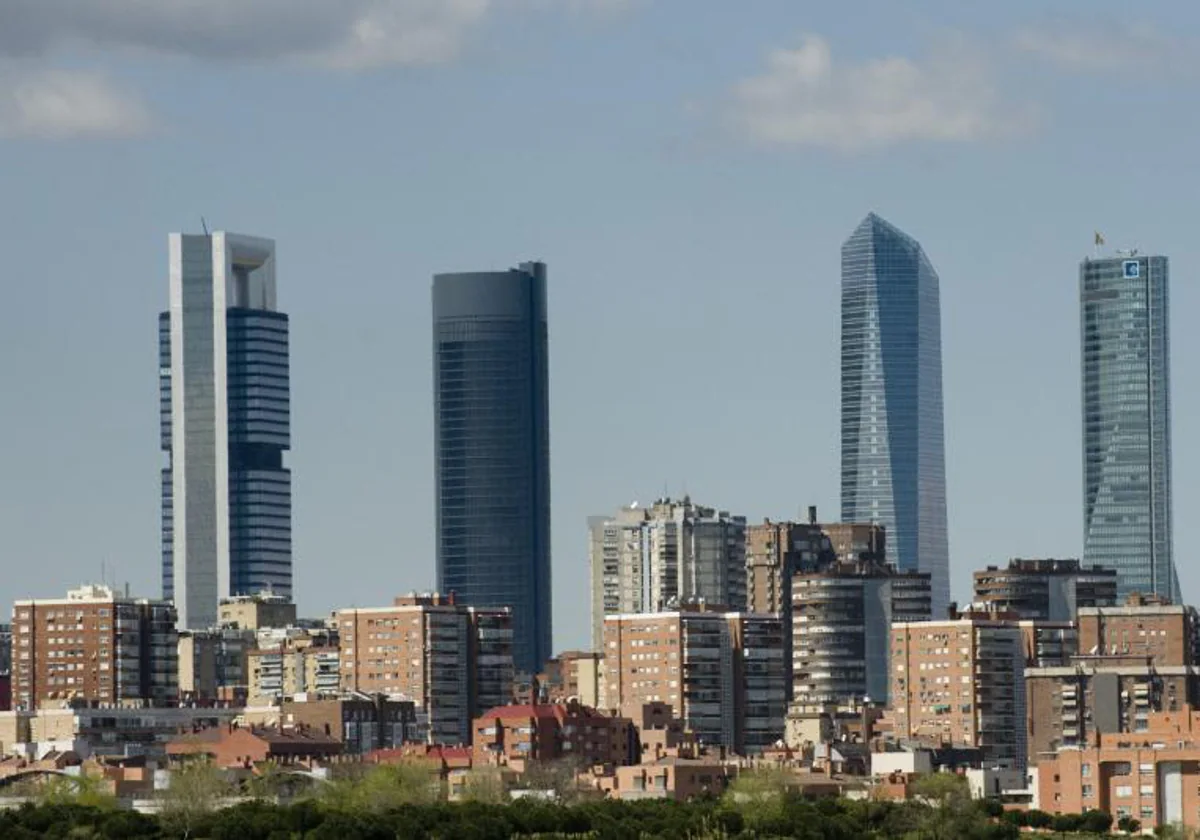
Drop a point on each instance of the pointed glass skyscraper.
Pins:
(1125, 353)
(893, 451)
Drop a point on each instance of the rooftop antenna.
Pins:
(204, 225)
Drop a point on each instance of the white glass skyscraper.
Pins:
(893, 451)
(1125, 353)
(226, 422)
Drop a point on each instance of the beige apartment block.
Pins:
(255, 612)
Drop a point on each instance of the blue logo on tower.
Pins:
(1132, 269)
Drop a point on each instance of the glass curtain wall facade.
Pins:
(492, 448)
(1125, 352)
(893, 451)
(225, 423)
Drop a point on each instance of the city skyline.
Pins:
(226, 421)
(893, 446)
(692, 216)
(1124, 320)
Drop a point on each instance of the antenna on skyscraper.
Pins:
(204, 225)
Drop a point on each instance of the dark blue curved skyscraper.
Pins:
(893, 451)
(492, 448)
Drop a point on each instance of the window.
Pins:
(1088, 793)
(1085, 770)
(1124, 790)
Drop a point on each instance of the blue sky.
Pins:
(687, 169)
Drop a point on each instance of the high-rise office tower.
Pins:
(492, 448)
(226, 416)
(893, 452)
(1127, 422)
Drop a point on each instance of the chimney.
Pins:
(812, 514)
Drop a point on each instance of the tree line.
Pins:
(405, 802)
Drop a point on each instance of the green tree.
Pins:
(272, 783)
(384, 787)
(486, 785)
(762, 798)
(1095, 822)
(559, 778)
(992, 808)
(1017, 818)
(952, 814)
(1038, 819)
(88, 791)
(1129, 825)
(195, 791)
(1175, 831)
(946, 790)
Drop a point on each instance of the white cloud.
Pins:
(62, 104)
(351, 34)
(36, 100)
(1109, 48)
(804, 98)
(425, 32)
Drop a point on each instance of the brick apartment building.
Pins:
(776, 550)
(722, 673)
(95, 645)
(361, 723)
(961, 682)
(841, 618)
(245, 747)
(452, 661)
(1133, 661)
(1142, 626)
(515, 736)
(1045, 590)
(1152, 775)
